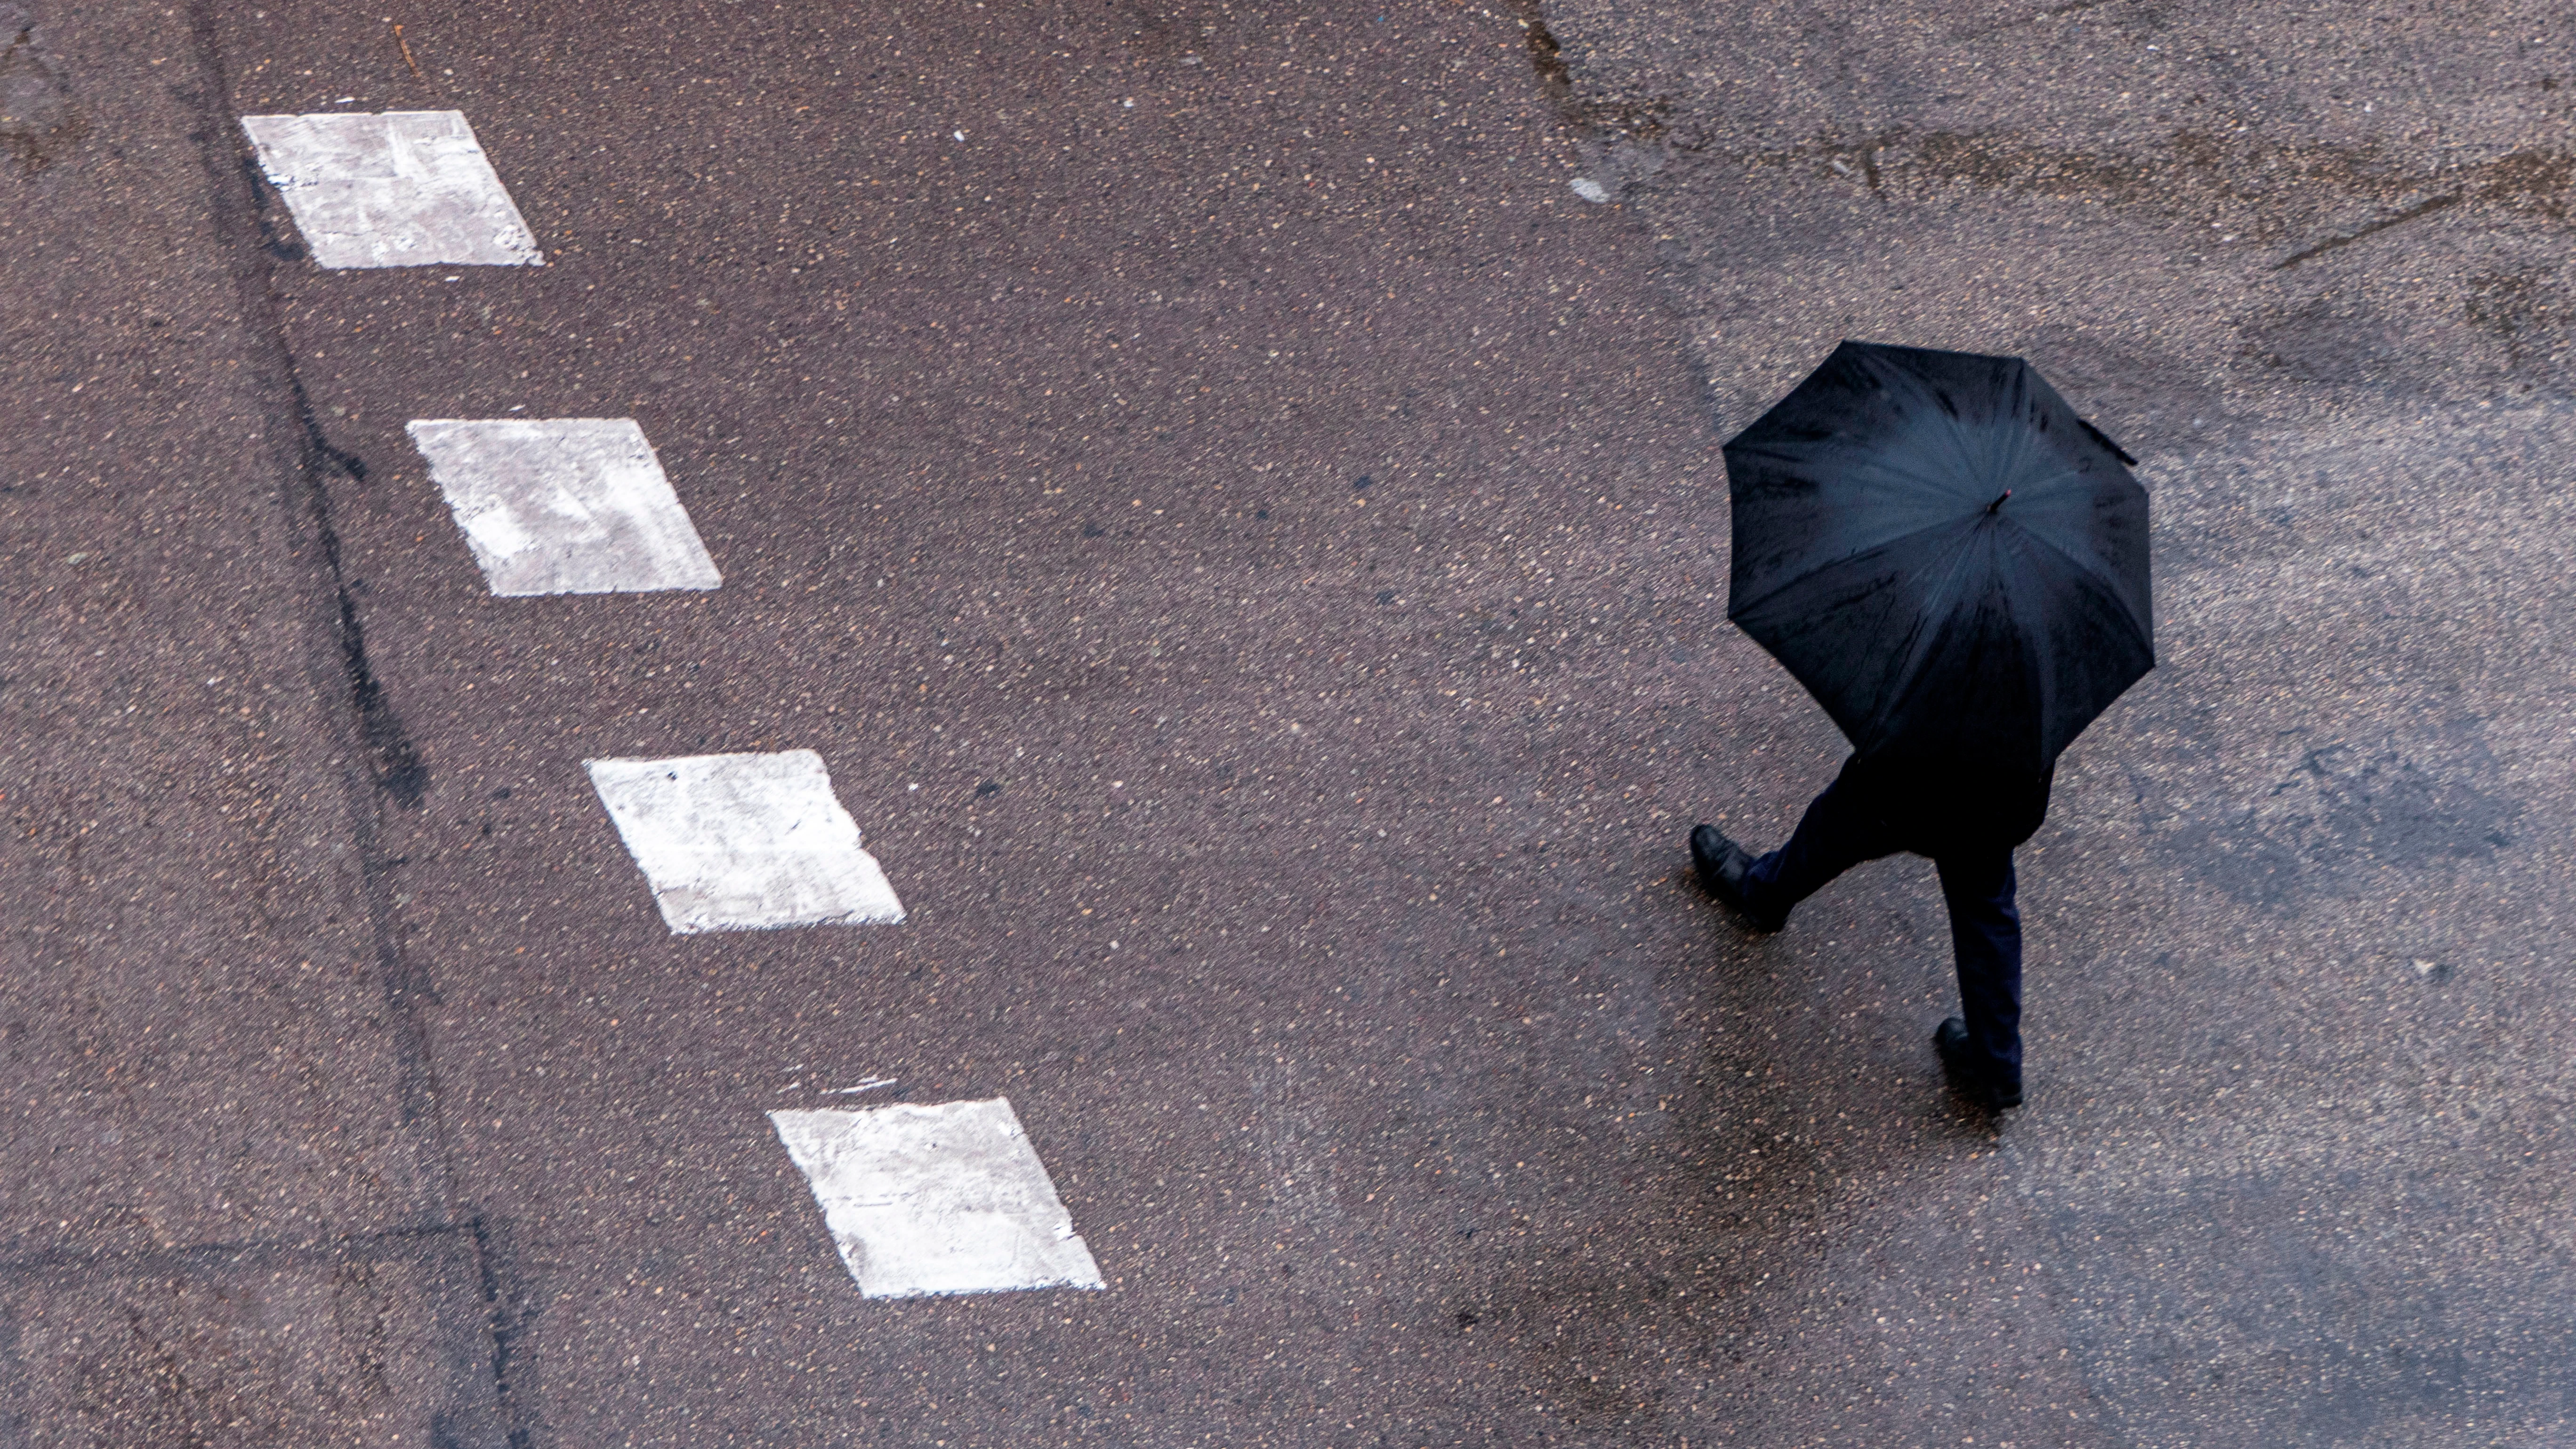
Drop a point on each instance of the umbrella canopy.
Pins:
(1944, 554)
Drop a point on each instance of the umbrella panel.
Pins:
(1935, 615)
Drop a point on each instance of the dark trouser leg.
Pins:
(1985, 933)
(1837, 832)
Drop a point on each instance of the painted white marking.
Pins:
(1591, 190)
(564, 505)
(870, 1085)
(392, 189)
(744, 842)
(941, 1199)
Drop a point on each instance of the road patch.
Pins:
(564, 506)
(929, 1200)
(392, 189)
(744, 842)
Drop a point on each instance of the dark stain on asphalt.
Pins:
(272, 240)
(172, 1408)
(2525, 310)
(1622, 136)
(2367, 1347)
(394, 760)
(399, 770)
(2323, 339)
(38, 121)
(1546, 57)
(359, 1316)
(496, 1262)
(2500, 303)
(2339, 810)
(2529, 180)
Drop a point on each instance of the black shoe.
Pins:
(1721, 864)
(1968, 1076)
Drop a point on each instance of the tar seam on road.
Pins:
(388, 1242)
(377, 756)
(2422, 208)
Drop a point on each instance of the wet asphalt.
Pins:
(1247, 538)
(2300, 922)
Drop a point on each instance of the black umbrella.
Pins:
(1944, 554)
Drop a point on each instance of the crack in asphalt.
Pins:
(381, 762)
(2337, 243)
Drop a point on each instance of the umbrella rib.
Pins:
(1733, 608)
(1921, 637)
(1962, 437)
(2081, 567)
(1794, 460)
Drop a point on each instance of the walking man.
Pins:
(1968, 828)
(1955, 565)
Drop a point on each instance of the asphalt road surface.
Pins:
(1242, 527)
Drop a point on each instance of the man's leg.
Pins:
(1985, 934)
(1838, 831)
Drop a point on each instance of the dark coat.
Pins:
(1953, 810)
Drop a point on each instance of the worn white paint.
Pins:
(744, 842)
(939, 1199)
(564, 505)
(393, 189)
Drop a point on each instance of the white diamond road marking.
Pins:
(564, 505)
(744, 842)
(934, 1200)
(396, 189)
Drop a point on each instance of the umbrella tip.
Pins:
(1997, 505)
